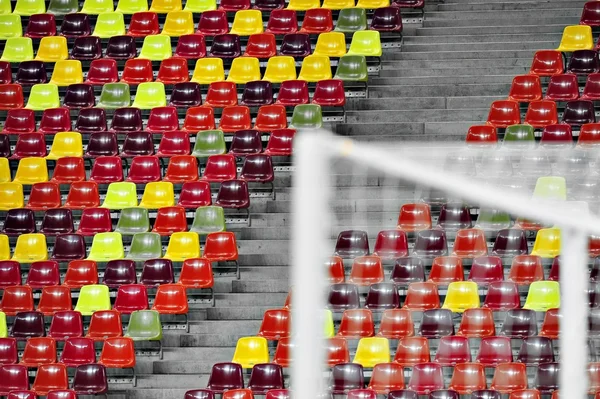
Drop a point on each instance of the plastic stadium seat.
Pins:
(102, 71)
(391, 244)
(579, 112)
(225, 376)
(504, 113)
(591, 91)
(576, 37)
(90, 379)
(39, 25)
(16, 299)
(316, 68)
(178, 23)
(156, 272)
(426, 377)
(271, 117)
(351, 244)
(105, 324)
(247, 22)
(157, 195)
(590, 14)
(486, 269)
(57, 221)
(351, 19)
(208, 70)
(66, 144)
(452, 351)
(234, 5)
(408, 270)
(536, 350)
(385, 19)
(17, 222)
(555, 136)
(86, 48)
(295, 45)
(461, 296)
(131, 6)
(494, 350)
(173, 70)
(12, 197)
(43, 96)
(356, 323)
(446, 269)
(82, 195)
(27, 325)
(19, 121)
(106, 170)
(431, 243)
(190, 47)
(118, 352)
(131, 298)
(372, 351)
(165, 6)
(75, 25)
(226, 46)
(114, 95)
(386, 377)
(12, 96)
(106, 246)
(510, 242)
(509, 377)
(382, 296)
(209, 142)
(145, 246)
(329, 93)
(526, 269)
(186, 94)
(5, 72)
(95, 7)
(173, 143)
(583, 62)
(80, 273)
(163, 119)
(482, 135)
(121, 47)
(200, 6)
(79, 96)
(100, 143)
(550, 325)
(42, 274)
(10, 273)
(541, 113)
(519, 323)
(303, 5)
(261, 45)
(546, 378)
(454, 216)
(282, 22)
(52, 49)
(342, 297)
(182, 246)
(477, 323)
(93, 298)
(414, 217)
(469, 243)
(119, 272)
(246, 142)
(250, 351)
(143, 23)
(345, 377)
(422, 296)
(366, 43)
(120, 195)
(280, 68)
(280, 142)
(128, 120)
(39, 351)
(194, 195)
(30, 248)
(208, 219)
(543, 295)
(14, 377)
(109, 24)
(257, 93)
(170, 220)
(213, 22)
(29, 145)
(332, 44)
(467, 378)
(502, 296)
(10, 26)
(220, 168)
(65, 325)
(292, 93)
(150, 95)
(156, 48)
(307, 116)
(17, 49)
(144, 325)
(547, 243)
(233, 194)
(8, 351)
(244, 70)
(525, 88)
(436, 323)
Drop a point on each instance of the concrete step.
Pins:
(493, 28)
(434, 56)
(452, 71)
(566, 14)
(457, 63)
(517, 45)
(506, 5)
(421, 103)
(447, 115)
(445, 88)
(500, 19)
(498, 37)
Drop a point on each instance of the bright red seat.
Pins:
(525, 269)
(220, 168)
(396, 324)
(162, 119)
(143, 24)
(144, 169)
(292, 93)
(550, 326)
(591, 90)
(509, 377)
(482, 135)
(173, 70)
(105, 324)
(194, 195)
(106, 170)
(38, 351)
(541, 113)
(426, 377)
(356, 323)
(199, 118)
(261, 45)
(220, 247)
(547, 63)
(494, 350)
(80, 273)
(414, 217)
(102, 71)
(317, 20)
(55, 120)
(469, 243)
(94, 221)
(280, 142)
(221, 94)
(11, 96)
(136, 71)
(16, 299)
(65, 325)
(589, 135)
(504, 113)
(234, 118)
(131, 298)
(174, 143)
(329, 93)
(271, 117)
(276, 324)
(68, 170)
(336, 350)
(78, 351)
(411, 351)
(525, 88)
(468, 377)
(477, 323)
(422, 296)
(196, 273)
(118, 353)
(562, 88)
(366, 270)
(55, 299)
(169, 220)
(50, 377)
(171, 299)
(446, 269)
(44, 196)
(182, 168)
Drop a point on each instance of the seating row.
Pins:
(526, 88)
(553, 136)
(541, 113)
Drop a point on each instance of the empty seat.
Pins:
(100, 143)
(93, 298)
(579, 112)
(144, 325)
(547, 243)
(536, 350)
(519, 323)
(12, 96)
(356, 323)
(280, 68)
(469, 243)
(121, 47)
(105, 324)
(186, 94)
(509, 377)
(194, 195)
(191, 47)
(414, 217)
(329, 93)
(436, 323)
(43, 96)
(12, 197)
(576, 37)
(174, 143)
(282, 22)
(494, 350)
(461, 296)
(31, 72)
(145, 246)
(541, 113)
(157, 195)
(27, 325)
(17, 49)
(106, 170)
(150, 95)
(68, 247)
(143, 23)
(182, 246)
(261, 45)
(382, 296)
(244, 70)
(351, 244)
(29, 145)
(555, 136)
(432, 243)
(591, 91)
(250, 351)
(106, 247)
(526, 269)
(331, 44)
(10, 273)
(178, 23)
(583, 62)
(120, 195)
(477, 323)
(225, 376)
(372, 351)
(426, 377)
(502, 296)
(452, 351)
(170, 220)
(80, 273)
(114, 95)
(30, 248)
(19, 121)
(342, 297)
(550, 325)
(446, 269)
(295, 45)
(543, 295)
(90, 379)
(156, 47)
(546, 378)
(510, 242)
(10, 26)
(82, 195)
(292, 93)
(422, 296)
(19, 221)
(16, 299)
(346, 376)
(42, 274)
(486, 269)
(351, 20)
(504, 113)
(39, 351)
(137, 71)
(8, 350)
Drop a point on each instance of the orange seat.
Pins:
(196, 273)
(105, 324)
(446, 269)
(541, 113)
(469, 243)
(171, 299)
(38, 351)
(336, 350)
(411, 351)
(504, 113)
(357, 323)
(276, 324)
(221, 246)
(396, 324)
(50, 377)
(414, 217)
(55, 299)
(335, 265)
(477, 323)
(366, 270)
(422, 296)
(525, 88)
(118, 352)
(509, 377)
(387, 377)
(16, 299)
(468, 377)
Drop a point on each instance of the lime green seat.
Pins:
(133, 221)
(17, 49)
(208, 219)
(107, 246)
(367, 43)
(10, 26)
(97, 6)
(3, 328)
(521, 136)
(551, 188)
(114, 95)
(492, 219)
(150, 95)
(43, 96)
(200, 5)
(543, 295)
(209, 142)
(547, 243)
(5, 7)
(109, 24)
(30, 7)
(351, 19)
(145, 246)
(327, 319)
(156, 48)
(307, 116)
(63, 7)
(352, 68)
(132, 6)
(93, 298)
(120, 195)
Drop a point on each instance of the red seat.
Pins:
(94, 221)
(238, 394)
(170, 220)
(317, 20)
(414, 217)
(170, 299)
(282, 355)
(182, 168)
(594, 377)
(221, 94)
(541, 113)
(551, 324)
(562, 88)
(396, 324)
(554, 135)
(50, 377)
(118, 353)
(525, 269)
(11, 96)
(199, 118)
(446, 269)
(271, 117)
(68, 170)
(173, 70)
(509, 377)
(55, 299)
(66, 324)
(387, 377)
(292, 93)
(194, 195)
(234, 5)
(280, 142)
(525, 394)
(366, 270)
(78, 351)
(591, 91)
(486, 269)
(220, 168)
(482, 135)
(191, 47)
(282, 22)
(80, 273)
(547, 63)
(131, 298)
(102, 71)
(19, 121)
(55, 120)
(44, 196)
(144, 169)
(336, 350)
(411, 351)
(196, 273)
(391, 244)
(10, 273)
(469, 243)
(589, 135)
(213, 22)
(329, 93)
(356, 323)
(29, 145)
(422, 296)
(5, 72)
(13, 377)
(494, 350)
(174, 143)
(504, 113)
(335, 266)
(136, 71)
(235, 118)
(276, 324)
(220, 247)
(143, 24)
(16, 299)
(106, 170)
(468, 377)
(261, 45)
(525, 88)
(426, 377)
(82, 195)
(477, 323)
(105, 324)
(8, 351)
(503, 296)
(162, 119)
(453, 350)
(38, 351)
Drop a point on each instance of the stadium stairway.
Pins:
(442, 80)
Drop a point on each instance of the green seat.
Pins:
(352, 68)
(156, 48)
(5, 7)
(351, 20)
(209, 142)
(93, 298)
(30, 7)
(208, 219)
(520, 136)
(17, 49)
(144, 325)
(109, 24)
(114, 95)
(307, 116)
(107, 246)
(367, 43)
(150, 95)
(120, 195)
(492, 219)
(97, 6)
(200, 5)
(62, 7)
(551, 188)
(132, 6)
(543, 295)
(133, 221)
(3, 328)
(43, 96)
(145, 246)
(10, 26)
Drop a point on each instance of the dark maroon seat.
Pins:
(430, 243)
(57, 221)
(382, 296)
(187, 94)
(69, 247)
(41, 25)
(486, 269)
(118, 272)
(519, 323)
(126, 120)
(257, 168)
(226, 46)
(502, 295)
(234, 5)
(454, 216)
(19, 121)
(409, 3)
(137, 144)
(93, 120)
(387, 19)
(257, 93)
(510, 242)
(556, 135)
(90, 379)
(31, 73)
(268, 5)
(5, 72)
(102, 144)
(79, 95)
(282, 22)
(437, 323)
(225, 376)
(10, 274)
(562, 88)
(27, 325)
(121, 48)
(66, 324)
(75, 25)
(245, 142)
(346, 376)
(546, 377)
(408, 270)
(191, 46)
(265, 376)
(352, 243)
(343, 296)
(536, 350)
(403, 394)
(86, 48)
(19, 221)
(233, 194)
(4, 146)
(199, 394)
(295, 45)
(213, 23)
(583, 62)
(579, 112)
(590, 14)
(13, 377)
(444, 394)
(156, 272)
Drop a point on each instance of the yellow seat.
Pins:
(31, 170)
(67, 72)
(158, 195)
(43, 96)
(182, 246)
(11, 196)
(109, 24)
(331, 44)
(4, 170)
(280, 68)
(17, 49)
(3, 328)
(93, 298)
(52, 49)
(208, 70)
(66, 144)
(178, 23)
(30, 7)
(372, 4)
(547, 243)
(97, 6)
(5, 7)
(367, 43)
(550, 188)
(337, 4)
(576, 37)
(120, 195)
(462, 295)
(250, 351)
(150, 95)
(200, 5)
(10, 26)
(543, 295)
(244, 70)
(303, 5)
(165, 6)
(132, 6)
(156, 48)
(328, 328)
(372, 351)
(247, 22)
(107, 246)
(315, 68)
(30, 248)
(4, 248)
